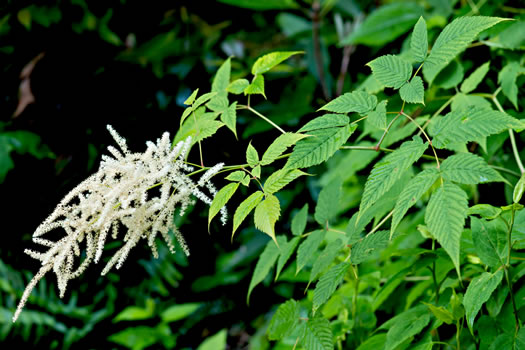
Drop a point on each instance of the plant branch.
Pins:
(261, 116)
(316, 21)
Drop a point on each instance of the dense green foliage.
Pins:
(373, 173)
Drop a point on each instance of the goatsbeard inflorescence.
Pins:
(135, 191)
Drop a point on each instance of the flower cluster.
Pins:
(132, 192)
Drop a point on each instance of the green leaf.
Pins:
(319, 147)
(419, 41)
(245, 208)
(472, 82)
(441, 313)
(229, 118)
(222, 77)
(179, 312)
(391, 71)
(281, 178)
(374, 342)
(252, 157)
(284, 320)
(136, 338)
(219, 103)
(134, 313)
(279, 145)
(470, 124)
(490, 241)
(328, 283)
(308, 247)
(362, 250)
(299, 221)
(478, 292)
(468, 168)
(189, 101)
(411, 194)
(326, 258)
(378, 117)
(387, 171)
(199, 126)
(214, 342)
(358, 101)
(450, 76)
(318, 334)
(286, 252)
(486, 211)
(256, 86)
(236, 176)
(328, 202)
(238, 86)
(507, 78)
(404, 328)
(413, 91)
(445, 218)
(519, 188)
(265, 263)
(268, 61)
(385, 24)
(256, 172)
(454, 39)
(221, 198)
(326, 121)
(266, 214)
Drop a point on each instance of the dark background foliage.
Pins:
(83, 65)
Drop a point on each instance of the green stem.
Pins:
(511, 134)
(381, 223)
(426, 136)
(377, 147)
(436, 113)
(261, 116)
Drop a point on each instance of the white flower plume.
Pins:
(135, 193)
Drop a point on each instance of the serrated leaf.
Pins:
(265, 263)
(236, 176)
(490, 241)
(473, 80)
(478, 292)
(222, 77)
(319, 147)
(279, 145)
(413, 91)
(286, 252)
(326, 121)
(238, 86)
(308, 247)
(299, 221)
(390, 169)
(419, 41)
(326, 258)
(411, 194)
(266, 214)
(284, 320)
(391, 71)
(229, 118)
(460, 100)
(245, 208)
(328, 283)
(507, 78)
(404, 328)
(486, 211)
(268, 61)
(219, 103)
(445, 218)
(189, 101)
(328, 202)
(361, 250)
(221, 198)
(385, 24)
(281, 178)
(203, 99)
(378, 117)
(470, 124)
(246, 180)
(468, 168)
(441, 313)
(252, 157)
(358, 101)
(256, 171)
(318, 334)
(256, 86)
(455, 38)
